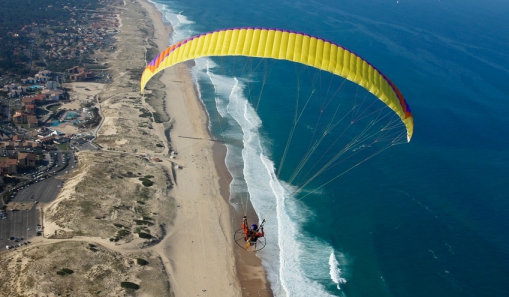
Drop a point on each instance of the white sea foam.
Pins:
(296, 264)
(335, 271)
(289, 253)
(182, 26)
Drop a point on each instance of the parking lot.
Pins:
(43, 191)
(20, 223)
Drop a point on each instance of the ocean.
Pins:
(425, 218)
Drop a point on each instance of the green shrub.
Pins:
(145, 235)
(147, 182)
(143, 222)
(141, 262)
(129, 285)
(65, 271)
(122, 233)
(7, 196)
(118, 225)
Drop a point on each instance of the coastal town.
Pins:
(96, 199)
(37, 113)
(54, 66)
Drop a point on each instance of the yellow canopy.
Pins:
(291, 46)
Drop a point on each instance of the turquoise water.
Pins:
(428, 218)
(70, 115)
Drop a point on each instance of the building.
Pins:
(14, 93)
(27, 100)
(18, 138)
(19, 117)
(26, 160)
(29, 80)
(43, 76)
(51, 85)
(39, 99)
(52, 95)
(8, 166)
(10, 87)
(32, 121)
(30, 108)
(46, 139)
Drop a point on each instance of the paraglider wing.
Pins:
(291, 46)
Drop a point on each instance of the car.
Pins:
(11, 238)
(7, 247)
(36, 202)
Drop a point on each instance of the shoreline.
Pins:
(187, 241)
(250, 272)
(248, 267)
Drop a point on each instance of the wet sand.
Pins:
(191, 120)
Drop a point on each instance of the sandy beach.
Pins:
(156, 189)
(198, 250)
(191, 120)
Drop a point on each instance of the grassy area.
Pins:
(108, 197)
(80, 269)
(54, 107)
(64, 146)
